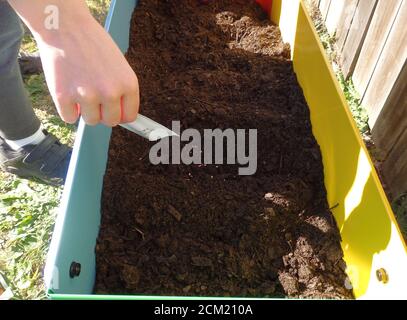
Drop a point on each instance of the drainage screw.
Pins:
(382, 276)
(75, 270)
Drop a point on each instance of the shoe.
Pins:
(30, 63)
(48, 161)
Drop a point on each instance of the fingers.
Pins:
(110, 111)
(110, 107)
(107, 112)
(90, 113)
(67, 109)
(89, 106)
(130, 107)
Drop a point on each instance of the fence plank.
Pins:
(345, 22)
(324, 7)
(389, 67)
(357, 34)
(395, 168)
(334, 15)
(379, 29)
(392, 121)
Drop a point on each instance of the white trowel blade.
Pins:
(148, 129)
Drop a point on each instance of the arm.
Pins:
(86, 72)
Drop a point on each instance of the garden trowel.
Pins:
(148, 129)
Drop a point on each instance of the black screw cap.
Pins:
(75, 270)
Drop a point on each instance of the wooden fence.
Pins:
(372, 43)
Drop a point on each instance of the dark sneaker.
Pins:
(30, 63)
(48, 161)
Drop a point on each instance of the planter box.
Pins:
(374, 250)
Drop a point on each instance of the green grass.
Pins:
(28, 43)
(27, 213)
(28, 209)
(99, 8)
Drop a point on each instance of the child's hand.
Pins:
(86, 69)
(86, 72)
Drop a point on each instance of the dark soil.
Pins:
(205, 230)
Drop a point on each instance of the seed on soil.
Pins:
(175, 213)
